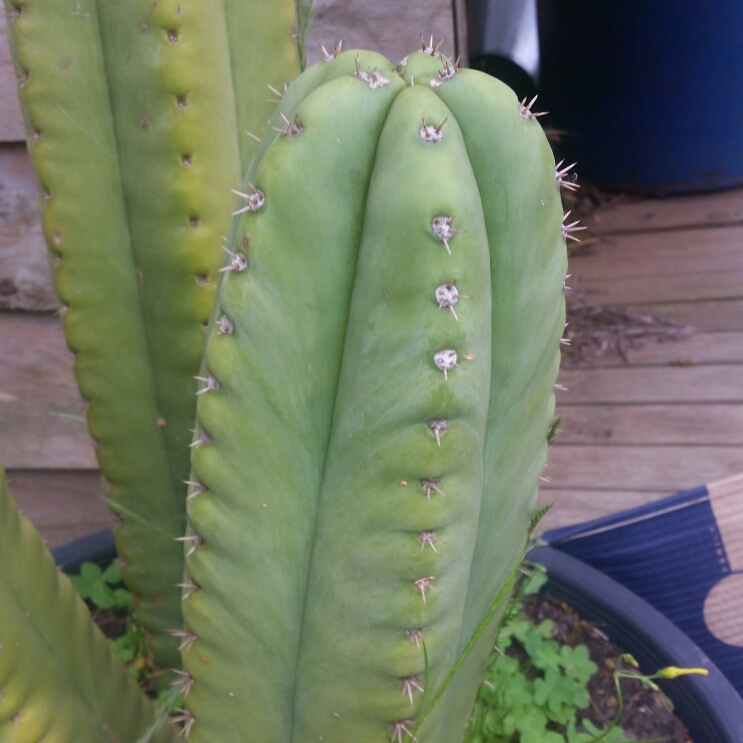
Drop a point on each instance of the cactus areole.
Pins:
(366, 455)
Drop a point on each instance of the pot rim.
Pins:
(709, 705)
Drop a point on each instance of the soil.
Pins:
(112, 622)
(647, 713)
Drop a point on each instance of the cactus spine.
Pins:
(136, 115)
(383, 350)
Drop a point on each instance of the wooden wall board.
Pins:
(12, 128)
(633, 214)
(682, 425)
(652, 384)
(389, 27)
(25, 275)
(63, 505)
(576, 506)
(696, 348)
(386, 26)
(460, 30)
(41, 412)
(665, 468)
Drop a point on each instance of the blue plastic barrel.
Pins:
(649, 91)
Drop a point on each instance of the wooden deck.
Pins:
(668, 418)
(667, 415)
(637, 425)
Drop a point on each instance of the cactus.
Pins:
(136, 115)
(53, 660)
(373, 403)
(379, 370)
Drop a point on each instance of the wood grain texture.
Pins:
(646, 290)
(721, 383)
(670, 469)
(696, 348)
(25, 275)
(386, 26)
(42, 417)
(460, 31)
(389, 27)
(680, 425)
(576, 506)
(628, 214)
(663, 254)
(63, 505)
(703, 316)
(12, 128)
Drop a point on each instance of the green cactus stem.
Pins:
(59, 677)
(379, 370)
(137, 115)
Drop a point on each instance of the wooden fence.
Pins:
(44, 442)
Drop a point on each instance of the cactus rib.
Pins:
(86, 228)
(59, 677)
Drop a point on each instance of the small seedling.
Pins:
(554, 430)
(533, 687)
(103, 589)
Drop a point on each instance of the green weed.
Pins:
(103, 589)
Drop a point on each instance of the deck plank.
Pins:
(712, 383)
(661, 468)
(631, 214)
(704, 316)
(695, 349)
(648, 290)
(660, 254)
(679, 425)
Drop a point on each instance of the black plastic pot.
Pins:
(708, 705)
(98, 547)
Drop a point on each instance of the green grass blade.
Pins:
(492, 609)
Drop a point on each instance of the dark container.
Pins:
(649, 91)
(708, 705)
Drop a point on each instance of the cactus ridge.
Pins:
(135, 114)
(355, 424)
(53, 659)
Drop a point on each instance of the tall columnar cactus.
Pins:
(379, 371)
(137, 114)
